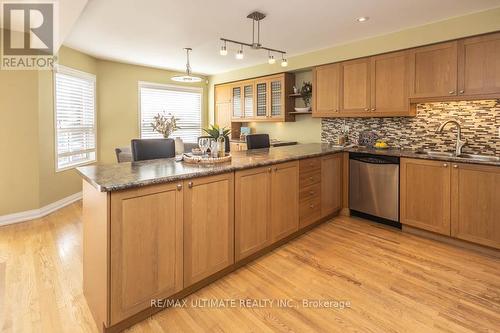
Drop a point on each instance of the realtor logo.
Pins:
(27, 35)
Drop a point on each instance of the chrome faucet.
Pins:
(460, 143)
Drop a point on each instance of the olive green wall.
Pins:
(118, 103)
(473, 24)
(18, 141)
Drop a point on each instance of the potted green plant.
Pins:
(214, 130)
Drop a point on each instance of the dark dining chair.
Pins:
(256, 141)
(151, 149)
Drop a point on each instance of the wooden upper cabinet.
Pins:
(277, 97)
(208, 226)
(389, 84)
(479, 65)
(326, 83)
(355, 86)
(252, 211)
(475, 204)
(222, 94)
(331, 184)
(146, 247)
(433, 70)
(425, 195)
(284, 200)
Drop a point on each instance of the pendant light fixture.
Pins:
(256, 45)
(188, 77)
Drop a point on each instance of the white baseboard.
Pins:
(40, 212)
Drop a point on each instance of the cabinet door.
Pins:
(208, 226)
(277, 98)
(433, 70)
(284, 200)
(261, 99)
(146, 247)
(475, 204)
(223, 114)
(425, 195)
(389, 84)
(355, 87)
(222, 94)
(326, 83)
(331, 184)
(248, 100)
(236, 102)
(479, 65)
(252, 210)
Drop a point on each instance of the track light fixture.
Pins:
(256, 45)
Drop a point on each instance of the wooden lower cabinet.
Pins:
(208, 226)
(284, 200)
(425, 195)
(145, 249)
(475, 204)
(331, 184)
(252, 211)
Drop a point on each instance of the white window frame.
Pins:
(153, 85)
(86, 76)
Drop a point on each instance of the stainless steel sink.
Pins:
(436, 153)
(485, 158)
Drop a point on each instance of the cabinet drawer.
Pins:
(310, 164)
(309, 211)
(310, 192)
(309, 178)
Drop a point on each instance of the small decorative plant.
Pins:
(165, 124)
(213, 131)
(306, 92)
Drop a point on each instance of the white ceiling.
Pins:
(154, 32)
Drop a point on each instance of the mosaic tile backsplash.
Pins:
(480, 122)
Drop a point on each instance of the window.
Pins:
(182, 102)
(75, 118)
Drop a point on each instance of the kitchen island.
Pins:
(162, 229)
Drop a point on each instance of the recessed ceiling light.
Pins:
(362, 19)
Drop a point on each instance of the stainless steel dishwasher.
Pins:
(374, 187)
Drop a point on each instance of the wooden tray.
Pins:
(193, 159)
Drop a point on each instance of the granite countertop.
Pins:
(273, 143)
(115, 177)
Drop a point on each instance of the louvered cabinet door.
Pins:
(276, 98)
(236, 103)
(261, 100)
(248, 100)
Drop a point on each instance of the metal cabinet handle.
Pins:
(461, 91)
(451, 92)
(190, 184)
(455, 166)
(179, 187)
(445, 165)
(367, 109)
(311, 193)
(311, 178)
(268, 169)
(373, 109)
(275, 169)
(311, 206)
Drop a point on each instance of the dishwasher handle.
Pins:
(373, 160)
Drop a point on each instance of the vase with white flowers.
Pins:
(165, 124)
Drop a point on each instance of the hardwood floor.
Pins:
(394, 282)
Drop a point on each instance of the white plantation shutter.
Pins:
(75, 118)
(182, 102)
